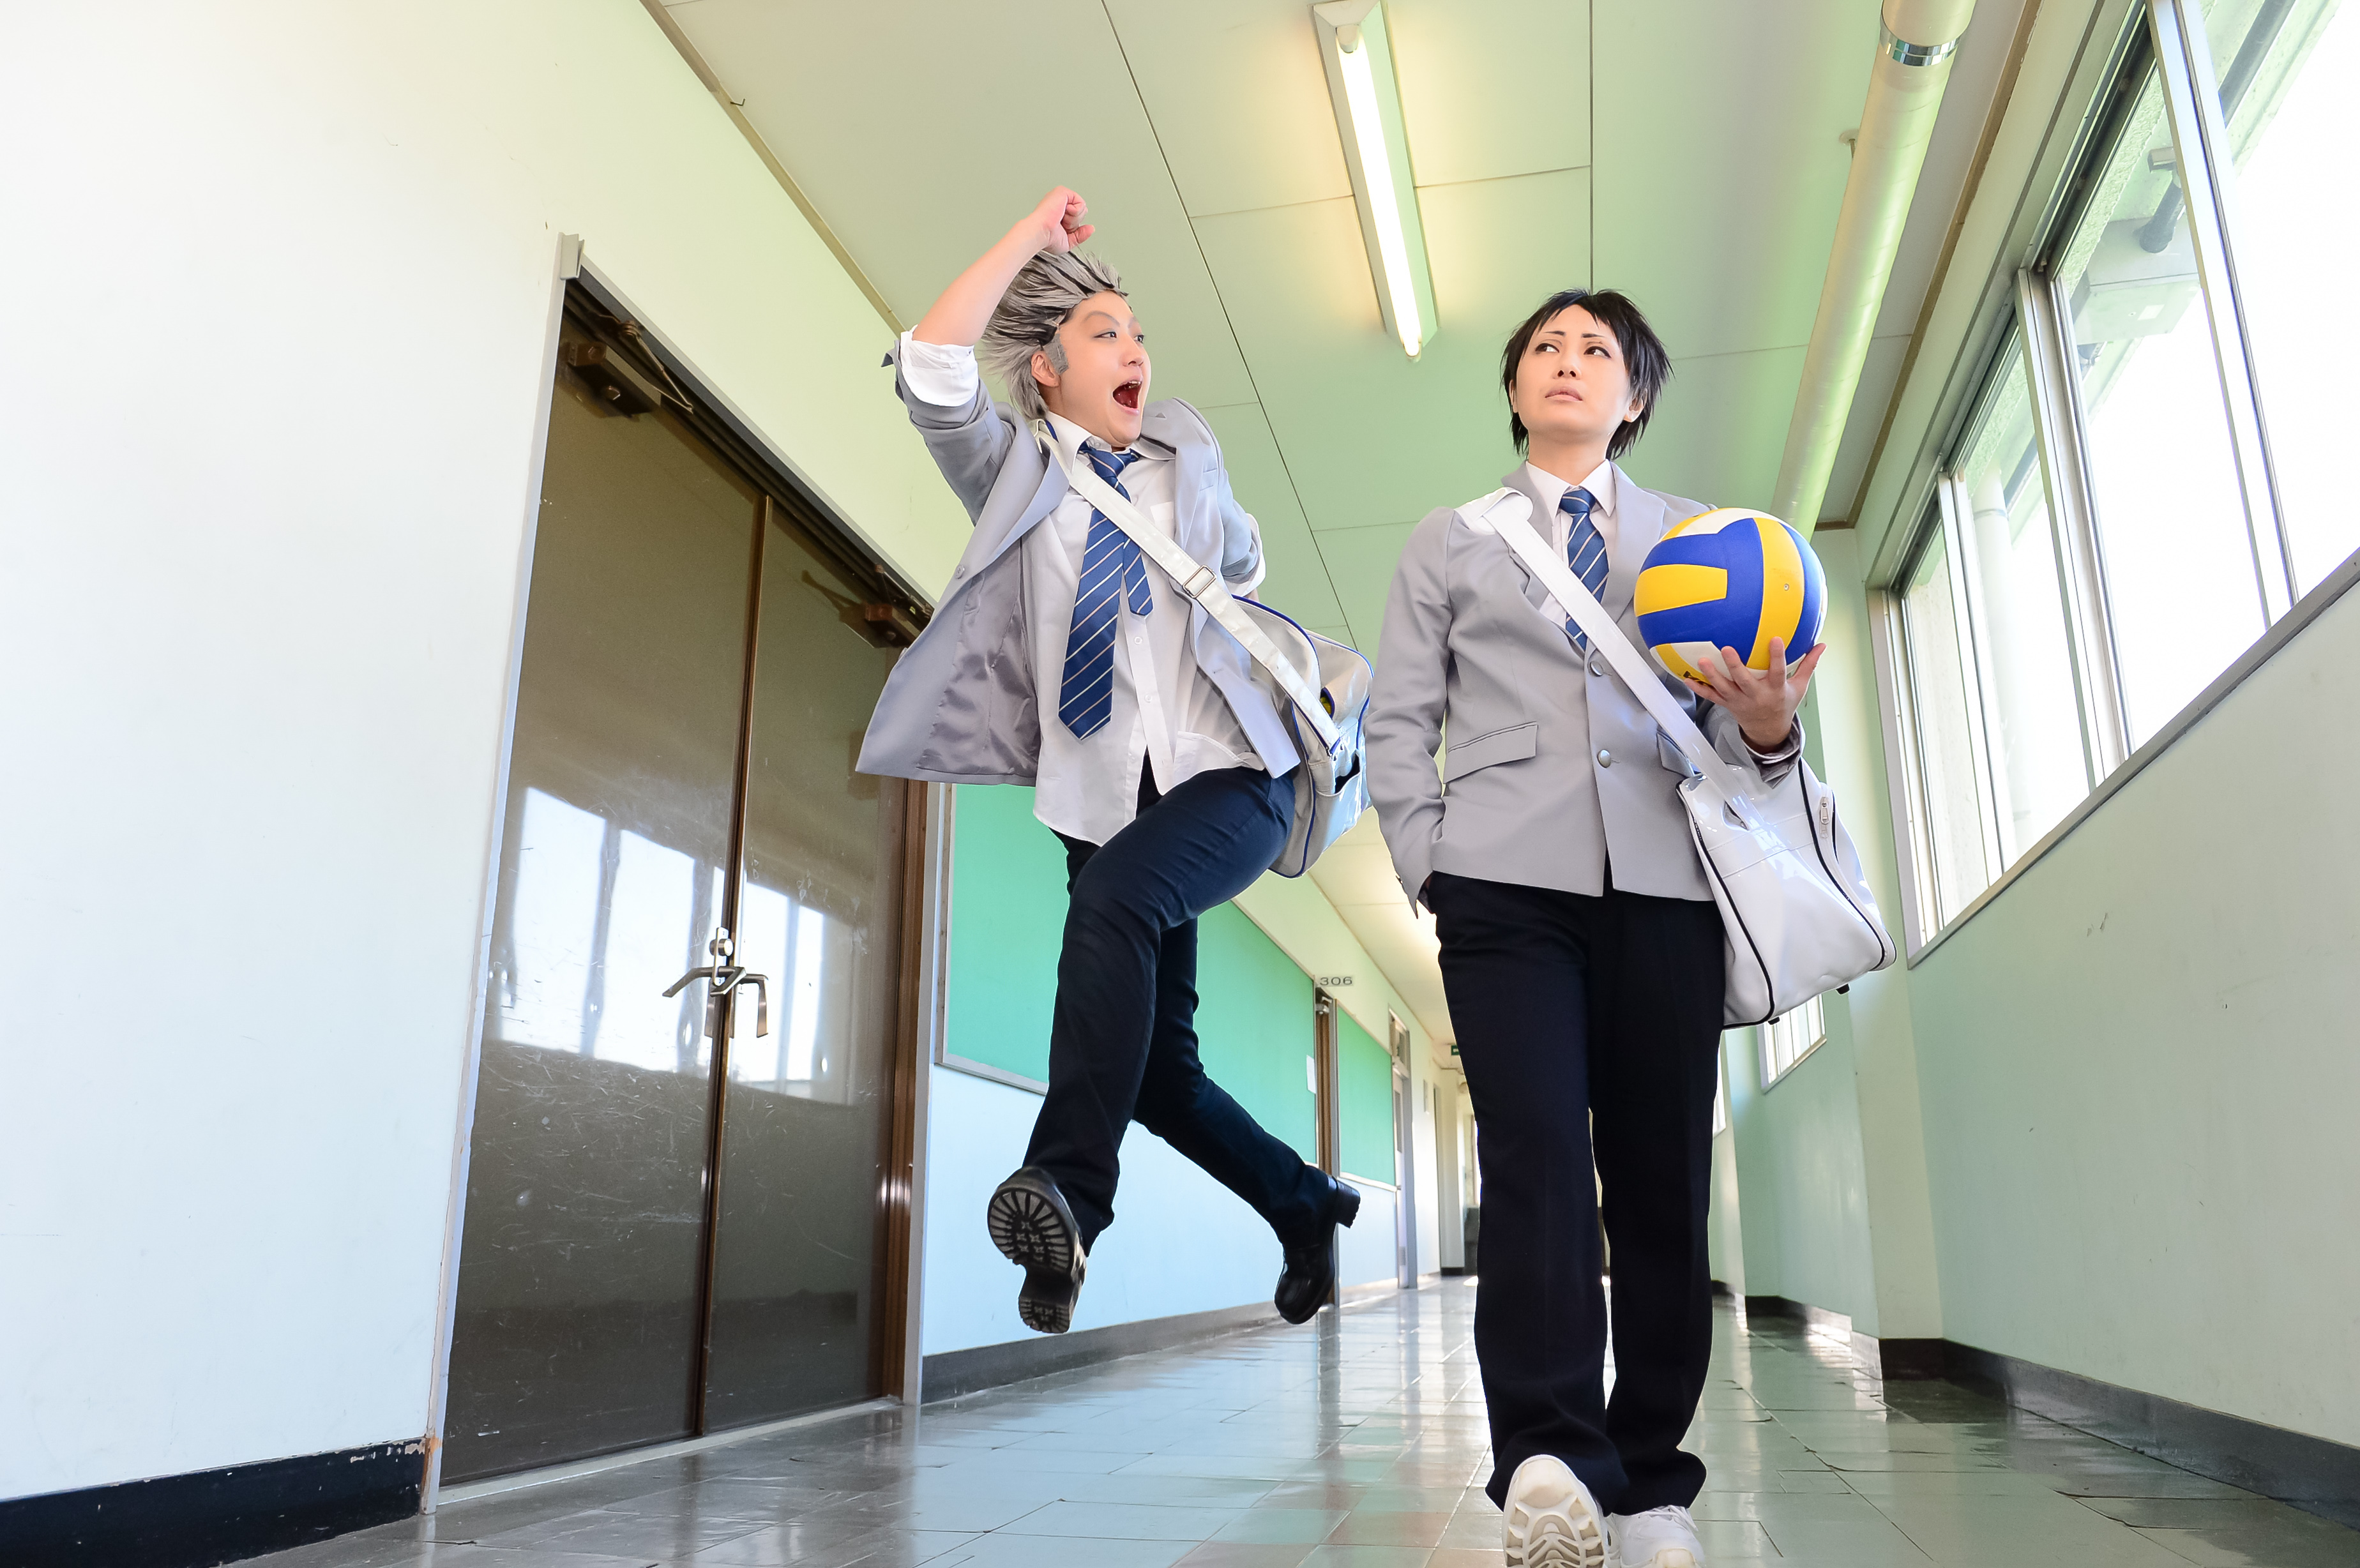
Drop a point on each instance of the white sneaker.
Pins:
(1550, 1519)
(1660, 1538)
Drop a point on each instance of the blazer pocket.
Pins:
(1511, 745)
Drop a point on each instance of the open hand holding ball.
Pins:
(1723, 598)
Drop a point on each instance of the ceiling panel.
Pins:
(1492, 87)
(1370, 435)
(1238, 95)
(1360, 563)
(913, 127)
(1722, 429)
(1499, 247)
(1719, 170)
(1297, 581)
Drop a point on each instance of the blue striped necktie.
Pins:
(1109, 562)
(1585, 552)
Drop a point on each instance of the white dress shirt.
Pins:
(1168, 716)
(1552, 490)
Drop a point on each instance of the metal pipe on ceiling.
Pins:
(1920, 38)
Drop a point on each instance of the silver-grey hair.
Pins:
(1046, 292)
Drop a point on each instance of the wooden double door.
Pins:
(685, 1210)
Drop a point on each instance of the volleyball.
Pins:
(1730, 578)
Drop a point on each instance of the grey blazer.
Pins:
(958, 707)
(1551, 766)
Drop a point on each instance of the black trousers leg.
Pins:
(1187, 1109)
(1654, 1011)
(1122, 1041)
(1563, 1005)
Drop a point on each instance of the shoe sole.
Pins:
(1031, 1234)
(1551, 1523)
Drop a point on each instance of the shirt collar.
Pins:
(1073, 438)
(1551, 489)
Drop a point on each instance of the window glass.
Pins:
(2034, 719)
(1789, 1037)
(1943, 714)
(2180, 586)
(2290, 86)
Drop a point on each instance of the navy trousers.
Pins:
(1583, 1018)
(1122, 1042)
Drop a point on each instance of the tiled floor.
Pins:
(1360, 1442)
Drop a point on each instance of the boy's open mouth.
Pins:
(1128, 394)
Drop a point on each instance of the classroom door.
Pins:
(675, 1205)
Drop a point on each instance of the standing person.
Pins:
(1581, 952)
(1062, 658)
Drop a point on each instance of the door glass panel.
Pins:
(581, 1260)
(798, 1270)
(2036, 729)
(1946, 757)
(2289, 92)
(2180, 585)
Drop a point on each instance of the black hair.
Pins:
(1644, 355)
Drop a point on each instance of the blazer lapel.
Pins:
(1519, 480)
(1196, 503)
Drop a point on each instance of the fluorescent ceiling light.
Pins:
(1367, 111)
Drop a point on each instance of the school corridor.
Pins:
(1360, 1442)
(496, 1072)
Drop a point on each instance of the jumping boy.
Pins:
(1061, 657)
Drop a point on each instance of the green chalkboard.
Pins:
(1254, 1016)
(1257, 1025)
(1366, 1103)
(1008, 921)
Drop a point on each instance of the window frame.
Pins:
(1773, 1074)
(2166, 38)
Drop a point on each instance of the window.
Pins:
(2170, 514)
(2110, 527)
(1788, 1039)
(2288, 80)
(1952, 840)
(1999, 754)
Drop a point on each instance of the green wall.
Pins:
(1008, 921)
(1365, 1103)
(1254, 1014)
(1256, 1025)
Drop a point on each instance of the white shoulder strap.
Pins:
(1201, 583)
(1607, 638)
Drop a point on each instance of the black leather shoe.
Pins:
(1310, 1277)
(1034, 1230)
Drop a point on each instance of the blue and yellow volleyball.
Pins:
(1733, 579)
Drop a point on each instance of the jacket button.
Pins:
(1605, 757)
(1597, 666)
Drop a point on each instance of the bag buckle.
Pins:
(1200, 581)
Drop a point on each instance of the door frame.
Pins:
(1398, 1043)
(790, 490)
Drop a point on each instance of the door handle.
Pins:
(724, 979)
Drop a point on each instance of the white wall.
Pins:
(280, 283)
(1181, 1242)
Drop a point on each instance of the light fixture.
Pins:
(1367, 111)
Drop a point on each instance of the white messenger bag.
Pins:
(1325, 685)
(1795, 912)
